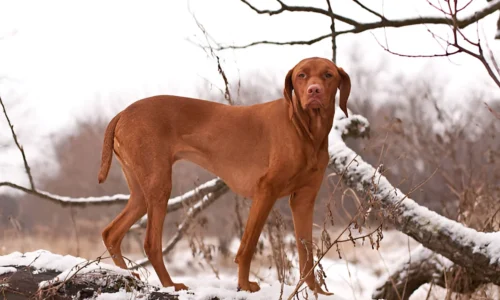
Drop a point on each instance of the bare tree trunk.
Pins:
(425, 266)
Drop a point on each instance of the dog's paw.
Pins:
(250, 286)
(180, 287)
(136, 275)
(317, 289)
(320, 291)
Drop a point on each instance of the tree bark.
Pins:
(425, 266)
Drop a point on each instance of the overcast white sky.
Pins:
(67, 60)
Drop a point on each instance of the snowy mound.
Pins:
(53, 274)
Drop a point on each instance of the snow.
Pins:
(222, 289)
(113, 198)
(420, 253)
(345, 277)
(192, 193)
(227, 290)
(341, 126)
(6, 270)
(204, 287)
(121, 295)
(84, 268)
(342, 158)
(200, 288)
(353, 277)
(66, 264)
(40, 259)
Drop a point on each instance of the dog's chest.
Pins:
(305, 167)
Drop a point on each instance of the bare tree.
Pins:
(360, 26)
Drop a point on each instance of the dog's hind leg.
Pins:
(136, 208)
(157, 187)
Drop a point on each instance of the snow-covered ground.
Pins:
(355, 276)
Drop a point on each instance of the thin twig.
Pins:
(208, 38)
(19, 146)
(370, 10)
(334, 32)
(265, 42)
(495, 113)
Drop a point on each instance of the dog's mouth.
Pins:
(314, 102)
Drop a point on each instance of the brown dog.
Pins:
(263, 151)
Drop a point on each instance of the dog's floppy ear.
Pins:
(287, 92)
(345, 90)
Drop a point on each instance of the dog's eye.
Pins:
(328, 75)
(302, 75)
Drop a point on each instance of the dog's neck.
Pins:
(313, 124)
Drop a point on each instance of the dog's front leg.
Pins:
(259, 211)
(302, 206)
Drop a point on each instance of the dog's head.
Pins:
(315, 82)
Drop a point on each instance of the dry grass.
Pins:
(87, 245)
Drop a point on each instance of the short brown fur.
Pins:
(262, 151)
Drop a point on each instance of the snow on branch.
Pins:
(173, 204)
(424, 266)
(478, 252)
(64, 200)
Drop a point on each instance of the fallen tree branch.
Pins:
(173, 205)
(424, 266)
(477, 252)
(64, 200)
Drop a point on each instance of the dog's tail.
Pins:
(107, 149)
